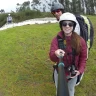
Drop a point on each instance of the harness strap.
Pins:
(62, 45)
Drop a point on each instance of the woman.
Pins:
(72, 41)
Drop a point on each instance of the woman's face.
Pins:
(67, 27)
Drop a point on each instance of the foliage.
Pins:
(25, 67)
(74, 6)
(2, 11)
(23, 7)
(3, 18)
(23, 15)
(43, 6)
(25, 12)
(79, 6)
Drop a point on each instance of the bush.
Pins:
(24, 15)
(2, 19)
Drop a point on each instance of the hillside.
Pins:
(26, 69)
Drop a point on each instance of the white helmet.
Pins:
(68, 16)
(8, 14)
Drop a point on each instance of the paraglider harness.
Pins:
(87, 32)
(86, 29)
(72, 68)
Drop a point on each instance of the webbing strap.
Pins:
(62, 45)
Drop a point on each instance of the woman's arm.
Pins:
(53, 48)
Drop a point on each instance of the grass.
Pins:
(25, 67)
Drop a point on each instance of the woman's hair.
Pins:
(75, 42)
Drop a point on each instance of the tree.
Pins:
(74, 6)
(42, 5)
(83, 6)
(26, 5)
(18, 7)
(2, 11)
(61, 1)
(91, 8)
(23, 7)
(95, 6)
(66, 5)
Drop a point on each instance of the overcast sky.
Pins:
(9, 5)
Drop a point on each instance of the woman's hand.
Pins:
(77, 73)
(59, 52)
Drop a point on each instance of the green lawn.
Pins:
(25, 67)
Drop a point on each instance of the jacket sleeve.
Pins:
(53, 48)
(83, 56)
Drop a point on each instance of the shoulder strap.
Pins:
(73, 57)
(61, 44)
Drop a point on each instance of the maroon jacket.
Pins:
(80, 60)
